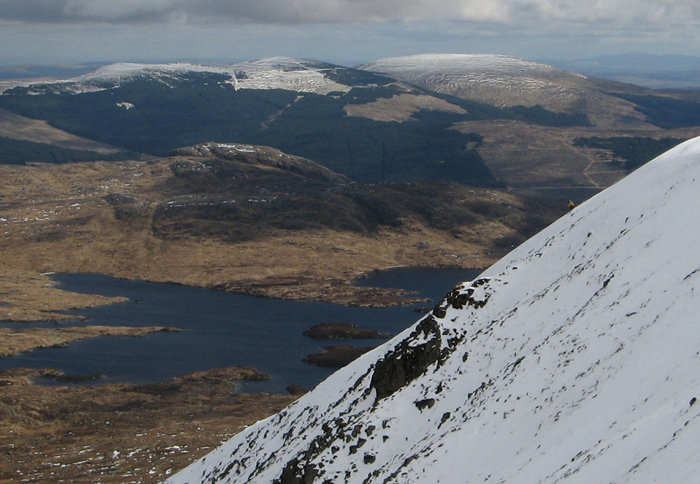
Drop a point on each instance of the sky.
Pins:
(347, 32)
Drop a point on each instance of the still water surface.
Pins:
(222, 329)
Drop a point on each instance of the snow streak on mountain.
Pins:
(574, 359)
(271, 73)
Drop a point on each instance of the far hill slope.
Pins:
(672, 71)
(573, 359)
(248, 219)
(560, 159)
(270, 73)
(301, 107)
(481, 120)
(502, 80)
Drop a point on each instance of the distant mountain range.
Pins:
(34, 72)
(467, 118)
(654, 71)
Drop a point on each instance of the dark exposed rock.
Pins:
(439, 311)
(458, 298)
(336, 330)
(296, 472)
(356, 447)
(426, 403)
(407, 360)
(445, 417)
(336, 356)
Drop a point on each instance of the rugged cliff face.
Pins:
(572, 359)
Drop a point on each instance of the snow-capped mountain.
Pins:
(574, 359)
(422, 67)
(271, 73)
(497, 79)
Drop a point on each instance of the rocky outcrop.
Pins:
(408, 360)
(262, 155)
(127, 206)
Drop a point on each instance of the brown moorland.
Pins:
(250, 220)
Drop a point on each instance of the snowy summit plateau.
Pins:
(574, 359)
(271, 73)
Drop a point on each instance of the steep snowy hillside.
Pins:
(574, 359)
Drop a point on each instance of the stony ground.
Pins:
(116, 433)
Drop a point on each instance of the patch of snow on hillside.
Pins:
(574, 359)
(285, 73)
(273, 73)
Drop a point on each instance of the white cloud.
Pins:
(512, 12)
(344, 31)
(111, 10)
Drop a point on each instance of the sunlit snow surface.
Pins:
(580, 367)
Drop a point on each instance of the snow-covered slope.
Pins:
(285, 73)
(497, 79)
(468, 66)
(272, 73)
(574, 359)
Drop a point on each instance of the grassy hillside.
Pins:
(248, 226)
(20, 152)
(631, 152)
(666, 112)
